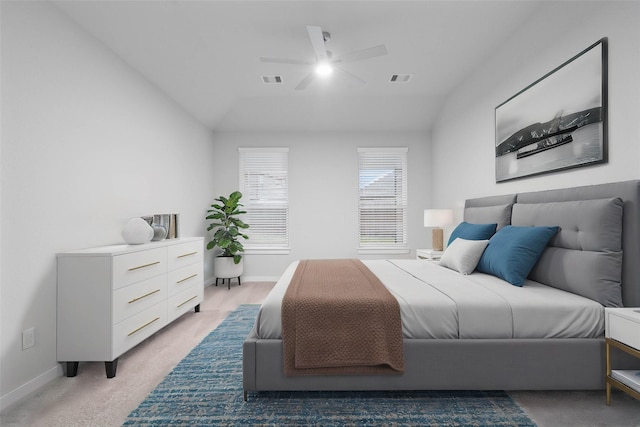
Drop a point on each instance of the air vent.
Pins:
(400, 78)
(271, 79)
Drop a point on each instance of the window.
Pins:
(265, 191)
(382, 203)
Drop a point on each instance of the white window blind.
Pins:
(382, 207)
(265, 190)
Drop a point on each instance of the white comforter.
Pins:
(436, 302)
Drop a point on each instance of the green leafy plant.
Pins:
(227, 226)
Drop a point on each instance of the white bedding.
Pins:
(436, 302)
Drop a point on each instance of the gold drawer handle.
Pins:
(193, 297)
(143, 326)
(143, 266)
(143, 296)
(189, 254)
(187, 278)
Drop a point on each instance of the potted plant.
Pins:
(226, 235)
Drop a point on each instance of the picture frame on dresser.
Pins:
(558, 122)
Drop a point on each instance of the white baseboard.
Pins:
(29, 387)
(260, 278)
(209, 281)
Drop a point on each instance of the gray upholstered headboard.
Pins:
(586, 228)
(487, 210)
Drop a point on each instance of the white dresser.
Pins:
(111, 298)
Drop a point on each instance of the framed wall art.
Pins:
(558, 122)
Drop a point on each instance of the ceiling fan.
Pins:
(325, 63)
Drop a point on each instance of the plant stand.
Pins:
(228, 279)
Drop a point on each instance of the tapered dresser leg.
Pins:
(110, 368)
(72, 369)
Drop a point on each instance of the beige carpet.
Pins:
(90, 399)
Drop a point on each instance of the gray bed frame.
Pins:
(484, 364)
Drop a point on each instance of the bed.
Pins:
(545, 335)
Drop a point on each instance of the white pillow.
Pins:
(463, 255)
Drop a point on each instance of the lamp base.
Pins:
(436, 239)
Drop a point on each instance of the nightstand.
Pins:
(622, 331)
(428, 254)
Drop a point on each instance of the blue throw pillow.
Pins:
(514, 251)
(469, 231)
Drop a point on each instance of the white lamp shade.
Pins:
(438, 217)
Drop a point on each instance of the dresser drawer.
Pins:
(184, 277)
(624, 330)
(184, 254)
(134, 267)
(184, 301)
(133, 299)
(137, 328)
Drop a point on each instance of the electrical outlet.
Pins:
(28, 338)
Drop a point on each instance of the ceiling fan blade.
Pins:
(359, 55)
(284, 61)
(317, 41)
(306, 81)
(349, 76)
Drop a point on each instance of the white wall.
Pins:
(463, 137)
(323, 189)
(86, 144)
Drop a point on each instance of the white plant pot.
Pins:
(224, 267)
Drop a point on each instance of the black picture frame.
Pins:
(558, 122)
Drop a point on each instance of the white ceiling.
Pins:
(204, 54)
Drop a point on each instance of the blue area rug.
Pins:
(205, 389)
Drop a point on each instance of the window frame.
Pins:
(396, 156)
(248, 153)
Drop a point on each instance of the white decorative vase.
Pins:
(159, 233)
(224, 267)
(137, 231)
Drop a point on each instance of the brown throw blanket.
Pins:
(338, 318)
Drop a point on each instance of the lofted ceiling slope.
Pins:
(205, 55)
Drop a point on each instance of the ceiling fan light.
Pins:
(324, 69)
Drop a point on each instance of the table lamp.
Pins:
(437, 218)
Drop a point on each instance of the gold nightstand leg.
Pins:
(607, 352)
